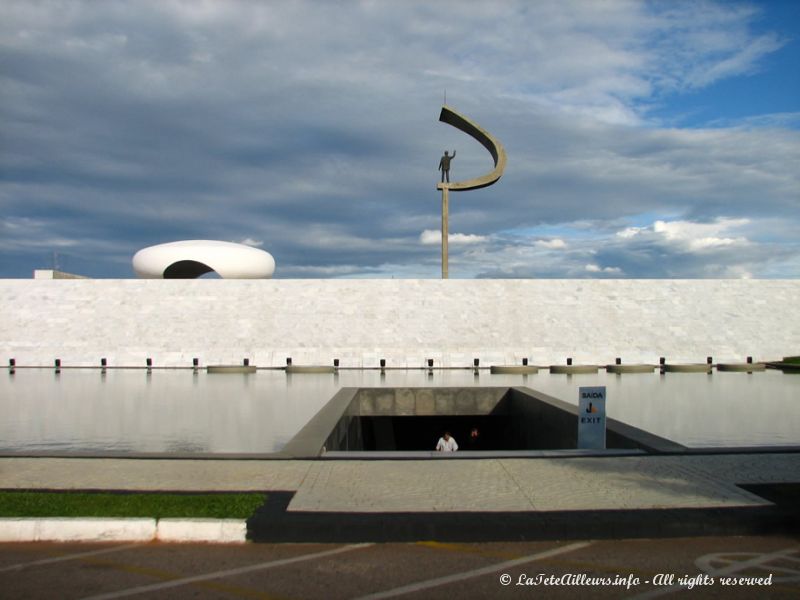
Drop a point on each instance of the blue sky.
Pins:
(767, 87)
(644, 139)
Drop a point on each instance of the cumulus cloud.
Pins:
(693, 236)
(701, 236)
(724, 248)
(434, 236)
(630, 232)
(597, 269)
(553, 244)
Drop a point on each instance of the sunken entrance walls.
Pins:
(397, 422)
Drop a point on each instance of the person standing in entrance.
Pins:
(446, 443)
(474, 439)
(444, 165)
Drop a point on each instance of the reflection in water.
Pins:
(171, 411)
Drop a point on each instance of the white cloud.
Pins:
(35, 234)
(680, 248)
(693, 236)
(739, 60)
(701, 236)
(434, 236)
(251, 242)
(630, 232)
(553, 244)
(591, 268)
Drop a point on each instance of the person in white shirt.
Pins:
(446, 443)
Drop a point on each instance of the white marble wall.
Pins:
(404, 321)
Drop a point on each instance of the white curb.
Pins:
(224, 531)
(77, 530)
(221, 531)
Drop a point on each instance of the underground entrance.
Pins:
(397, 422)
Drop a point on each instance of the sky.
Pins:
(644, 139)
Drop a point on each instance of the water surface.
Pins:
(178, 412)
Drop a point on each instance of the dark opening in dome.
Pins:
(186, 269)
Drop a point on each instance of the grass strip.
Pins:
(124, 504)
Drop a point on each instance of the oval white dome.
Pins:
(191, 258)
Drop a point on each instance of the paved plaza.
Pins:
(409, 500)
(484, 485)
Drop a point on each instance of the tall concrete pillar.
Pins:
(445, 215)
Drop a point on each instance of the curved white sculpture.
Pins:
(191, 258)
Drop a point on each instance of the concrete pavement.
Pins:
(487, 485)
(371, 499)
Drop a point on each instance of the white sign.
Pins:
(592, 418)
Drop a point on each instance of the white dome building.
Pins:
(192, 258)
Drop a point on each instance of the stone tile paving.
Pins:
(624, 483)
(490, 485)
(524, 485)
(398, 486)
(156, 474)
(748, 468)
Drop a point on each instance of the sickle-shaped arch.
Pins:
(495, 148)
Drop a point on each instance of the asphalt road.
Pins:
(642, 568)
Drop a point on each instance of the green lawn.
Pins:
(123, 504)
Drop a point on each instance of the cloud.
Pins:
(553, 244)
(629, 232)
(22, 233)
(724, 248)
(252, 242)
(701, 236)
(691, 236)
(434, 236)
(741, 60)
(596, 269)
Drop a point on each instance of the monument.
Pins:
(189, 259)
(495, 148)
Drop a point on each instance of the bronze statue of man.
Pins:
(444, 165)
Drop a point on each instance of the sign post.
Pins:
(592, 418)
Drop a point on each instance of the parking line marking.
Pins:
(57, 559)
(430, 583)
(226, 573)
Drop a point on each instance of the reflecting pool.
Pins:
(186, 413)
